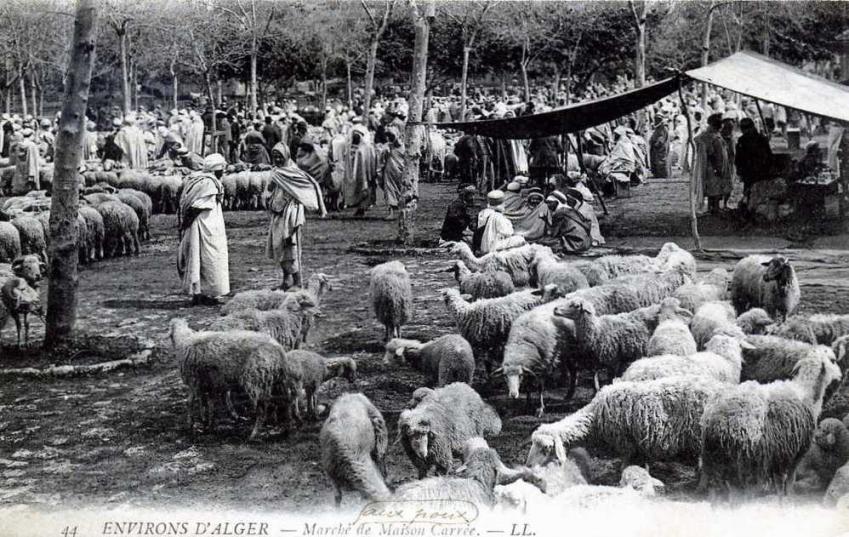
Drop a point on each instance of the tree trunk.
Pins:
(464, 80)
(323, 83)
(62, 290)
(414, 131)
(175, 86)
(350, 85)
(125, 75)
(23, 87)
(555, 89)
(135, 79)
(219, 88)
(640, 57)
(254, 53)
(525, 82)
(211, 96)
(706, 49)
(369, 82)
(34, 93)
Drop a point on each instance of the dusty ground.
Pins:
(119, 438)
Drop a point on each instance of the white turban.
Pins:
(214, 162)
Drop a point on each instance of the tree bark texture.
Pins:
(706, 49)
(125, 75)
(369, 82)
(63, 278)
(23, 88)
(464, 80)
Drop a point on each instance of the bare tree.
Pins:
(639, 8)
(64, 205)
(471, 22)
(376, 28)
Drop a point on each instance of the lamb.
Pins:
(721, 360)
(285, 325)
(649, 421)
(672, 336)
(757, 433)
(486, 323)
(95, 231)
(29, 267)
(32, 236)
(435, 430)
(764, 282)
(444, 360)
(548, 268)
(772, 358)
(713, 287)
(316, 370)
(754, 322)
(482, 284)
(718, 317)
(121, 228)
(10, 242)
(213, 363)
(481, 472)
(515, 261)
(819, 328)
(391, 296)
(829, 451)
(354, 441)
(129, 197)
(18, 299)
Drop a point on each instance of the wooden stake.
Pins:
(694, 221)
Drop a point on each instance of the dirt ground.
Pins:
(120, 439)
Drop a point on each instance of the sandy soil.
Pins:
(120, 439)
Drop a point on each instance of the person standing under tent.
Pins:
(202, 260)
(659, 147)
(709, 165)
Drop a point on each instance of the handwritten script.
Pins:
(437, 512)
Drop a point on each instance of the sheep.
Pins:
(671, 256)
(142, 196)
(718, 317)
(476, 480)
(95, 231)
(481, 284)
(10, 242)
(271, 299)
(754, 322)
(129, 197)
(636, 485)
(96, 198)
(721, 360)
(557, 476)
(486, 323)
(18, 299)
(437, 427)
(611, 341)
(672, 336)
(32, 235)
(772, 358)
(819, 328)
(650, 421)
(121, 228)
(829, 451)
(285, 325)
(354, 441)
(316, 370)
(213, 363)
(515, 261)
(757, 433)
(837, 405)
(841, 350)
(610, 267)
(391, 297)
(838, 488)
(29, 267)
(548, 268)
(444, 360)
(764, 282)
(713, 287)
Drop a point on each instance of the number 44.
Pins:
(69, 531)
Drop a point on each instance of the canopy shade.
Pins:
(572, 118)
(751, 74)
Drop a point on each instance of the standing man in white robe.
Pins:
(202, 260)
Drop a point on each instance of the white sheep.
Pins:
(547, 268)
(354, 441)
(672, 335)
(721, 360)
(10, 242)
(391, 296)
(444, 360)
(718, 317)
(756, 434)
(819, 328)
(515, 261)
(481, 284)
(713, 287)
(772, 358)
(285, 325)
(18, 300)
(764, 282)
(671, 256)
(316, 370)
(841, 350)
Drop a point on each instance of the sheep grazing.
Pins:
(721, 360)
(713, 287)
(646, 421)
(819, 328)
(32, 236)
(130, 197)
(548, 268)
(285, 325)
(672, 335)
(213, 363)
(772, 358)
(516, 261)
(481, 284)
(18, 299)
(718, 317)
(271, 299)
(121, 228)
(435, 430)
(755, 434)
(10, 242)
(391, 297)
(759, 281)
(486, 323)
(316, 370)
(95, 231)
(444, 360)
(476, 480)
(354, 441)
(829, 451)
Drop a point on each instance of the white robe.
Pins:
(203, 250)
(498, 228)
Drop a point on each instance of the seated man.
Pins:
(459, 222)
(568, 230)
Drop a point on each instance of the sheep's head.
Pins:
(755, 321)
(30, 267)
(818, 371)
(639, 479)
(396, 349)
(840, 347)
(670, 308)
(319, 284)
(828, 432)
(513, 376)
(348, 369)
(418, 396)
(546, 447)
(778, 269)
(548, 293)
(417, 431)
(175, 327)
(299, 301)
(20, 297)
(575, 310)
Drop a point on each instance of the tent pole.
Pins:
(694, 221)
(763, 123)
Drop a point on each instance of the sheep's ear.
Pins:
(766, 263)
(687, 314)
(399, 352)
(746, 345)
(559, 450)
(537, 292)
(459, 470)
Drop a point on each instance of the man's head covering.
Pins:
(90, 125)
(521, 179)
(535, 196)
(469, 190)
(45, 123)
(182, 150)
(214, 162)
(574, 194)
(513, 186)
(26, 132)
(495, 198)
(810, 146)
(116, 122)
(620, 131)
(557, 196)
(282, 150)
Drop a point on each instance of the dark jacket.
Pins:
(753, 157)
(458, 218)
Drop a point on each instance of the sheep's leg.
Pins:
(26, 330)
(231, 408)
(190, 405)
(337, 497)
(135, 239)
(541, 386)
(261, 410)
(18, 327)
(595, 381)
(210, 414)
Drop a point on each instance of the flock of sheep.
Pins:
(716, 372)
